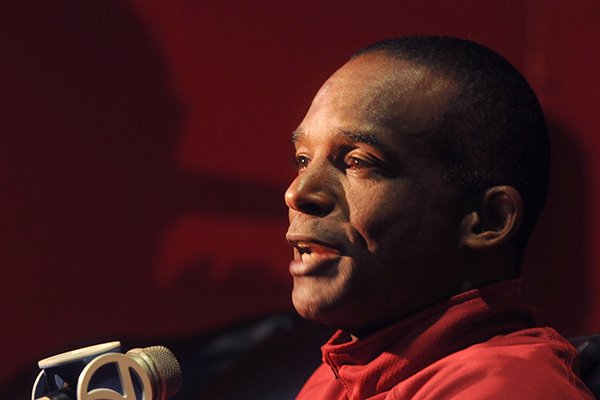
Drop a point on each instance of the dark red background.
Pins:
(145, 150)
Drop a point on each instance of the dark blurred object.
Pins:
(588, 348)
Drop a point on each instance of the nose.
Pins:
(312, 192)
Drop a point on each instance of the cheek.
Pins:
(380, 218)
(400, 224)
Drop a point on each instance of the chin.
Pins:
(313, 306)
(328, 313)
(307, 309)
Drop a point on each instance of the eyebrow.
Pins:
(359, 137)
(363, 137)
(297, 135)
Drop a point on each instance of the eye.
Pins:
(356, 163)
(302, 161)
(365, 165)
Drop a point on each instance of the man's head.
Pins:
(418, 160)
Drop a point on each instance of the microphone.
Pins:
(103, 372)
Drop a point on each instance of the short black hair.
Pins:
(494, 128)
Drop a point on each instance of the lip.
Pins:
(319, 256)
(316, 265)
(319, 244)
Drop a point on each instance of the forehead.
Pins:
(376, 93)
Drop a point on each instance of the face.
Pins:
(373, 225)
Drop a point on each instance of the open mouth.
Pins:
(310, 256)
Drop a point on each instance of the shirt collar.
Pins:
(375, 363)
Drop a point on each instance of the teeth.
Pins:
(304, 250)
(311, 252)
(306, 257)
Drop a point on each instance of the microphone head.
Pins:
(164, 367)
(168, 368)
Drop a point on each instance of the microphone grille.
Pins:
(168, 368)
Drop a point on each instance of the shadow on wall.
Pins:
(89, 181)
(555, 266)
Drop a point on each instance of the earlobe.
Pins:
(495, 222)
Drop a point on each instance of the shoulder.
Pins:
(528, 364)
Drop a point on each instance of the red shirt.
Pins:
(476, 345)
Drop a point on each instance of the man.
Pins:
(422, 167)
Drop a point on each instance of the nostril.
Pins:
(314, 209)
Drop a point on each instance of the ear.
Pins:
(496, 222)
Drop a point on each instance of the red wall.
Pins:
(145, 150)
